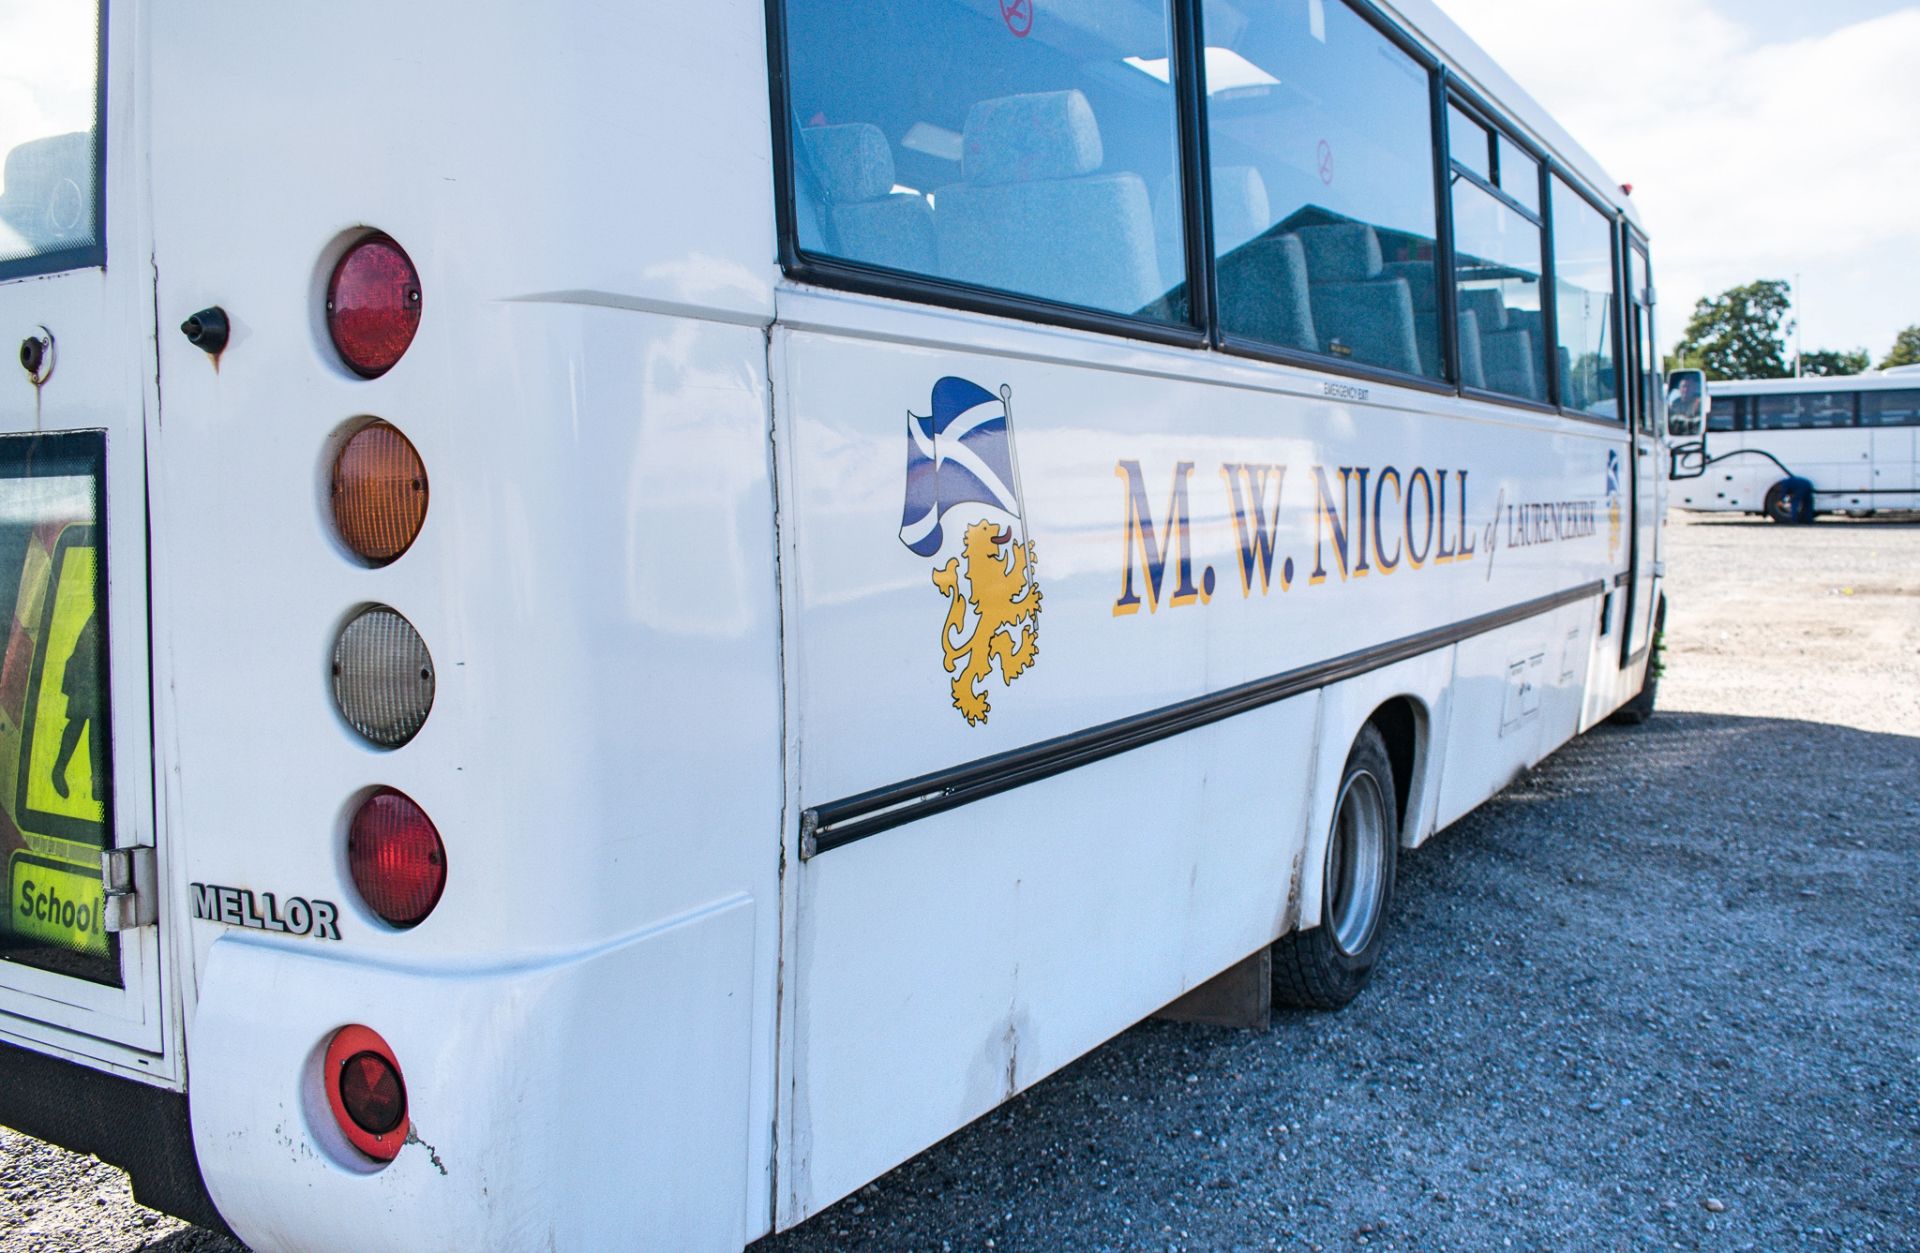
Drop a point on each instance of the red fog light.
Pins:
(373, 305)
(397, 859)
(366, 1093)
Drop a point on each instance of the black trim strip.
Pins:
(1864, 491)
(842, 822)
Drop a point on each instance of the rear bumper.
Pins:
(594, 1100)
(140, 1128)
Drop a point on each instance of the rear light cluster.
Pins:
(366, 1093)
(383, 675)
(379, 493)
(373, 306)
(398, 862)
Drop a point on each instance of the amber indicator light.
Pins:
(379, 493)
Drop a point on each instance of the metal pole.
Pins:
(1799, 334)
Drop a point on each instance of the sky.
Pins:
(1763, 139)
(46, 70)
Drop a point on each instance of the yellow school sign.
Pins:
(53, 732)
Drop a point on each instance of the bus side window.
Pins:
(993, 147)
(1326, 245)
(1901, 408)
(1583, 302)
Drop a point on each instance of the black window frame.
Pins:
(1615, 225)
(1258, 350)
(91, 256)
(1461, 96)
(845, 275)
(1202, 328)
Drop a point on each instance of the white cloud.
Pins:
(1750, 157)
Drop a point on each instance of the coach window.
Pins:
(1725, 415)
(1583, 305)
(1900, 408)
(1321, 138)
(1805, 411)
(49, 144)
(1014, 146)
(1497, 266)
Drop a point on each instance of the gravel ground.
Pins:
(1662, 992)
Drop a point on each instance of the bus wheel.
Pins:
(1790, 501)
(1640, 708)
(1328, 966)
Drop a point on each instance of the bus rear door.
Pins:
(1646, 413)
(80, 962)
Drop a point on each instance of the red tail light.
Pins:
(366, 1093)
(397, 859)
(373, 305)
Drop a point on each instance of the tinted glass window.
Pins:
(1324, 219)
(49, 132)
(1809, 411)
(1583, 300)
(1497, 260)
(1470, 144)
(1016, 146)
(1646, 360)
(1725, 415)
(1900, 408)
(1519, 174)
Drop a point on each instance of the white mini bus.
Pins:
(1793, 449)
(621, 621)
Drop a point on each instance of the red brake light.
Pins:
(373, 305)
(366, 1093)
(398, 862)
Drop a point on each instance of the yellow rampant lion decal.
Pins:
(1006, 605)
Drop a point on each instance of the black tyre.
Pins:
(1326, 967)
(1790, 502)
(1640, 708)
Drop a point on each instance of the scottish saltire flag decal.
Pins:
(1613, 504)
(961, 457)
(962, 453)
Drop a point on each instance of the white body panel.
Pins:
(941, 966)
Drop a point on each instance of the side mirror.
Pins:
(1689, 460)
(1688, 404)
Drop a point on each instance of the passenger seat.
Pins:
(865, 219)
(1359, 314)
(46, 197)
(1507, 349)
(1034, 216)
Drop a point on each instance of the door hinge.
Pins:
(127, 877)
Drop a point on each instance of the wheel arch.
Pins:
(1403, 723)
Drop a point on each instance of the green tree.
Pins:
(1906, 349)
(1826, 363)
(1741, 333)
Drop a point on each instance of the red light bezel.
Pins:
(374, 299)
(350, 1044)
(399, 868)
